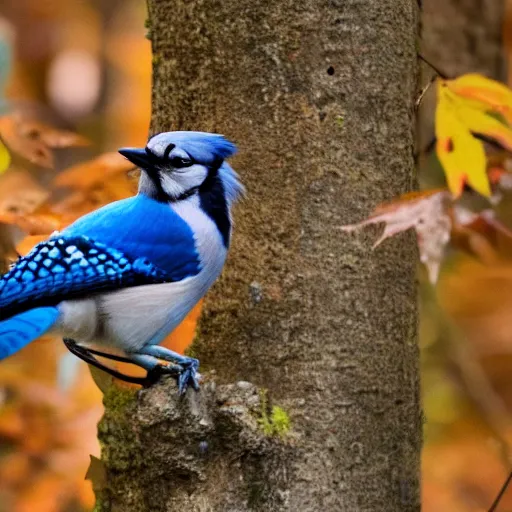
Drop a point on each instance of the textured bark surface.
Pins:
(320, 98)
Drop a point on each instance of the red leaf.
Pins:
(427, 212)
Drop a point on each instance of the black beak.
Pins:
(137, 156)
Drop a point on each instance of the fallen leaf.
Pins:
(50, 136)
(34, 150)
(46, 494)
(11, 423)
(32, 224)
(15, 468)
(34, 140)
(428, 213)
(19, 193)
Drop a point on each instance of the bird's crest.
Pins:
(203, 147)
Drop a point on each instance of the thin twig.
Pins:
(496, 502)
(433, 78)
(436, 69)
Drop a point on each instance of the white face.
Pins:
(177, 172)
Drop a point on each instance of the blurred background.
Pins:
(75, 78)
(66, 67)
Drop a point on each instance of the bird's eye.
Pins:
(178, 162)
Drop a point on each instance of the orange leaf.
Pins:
(32, 224)
(15, 469)
(427, 212)
(89, 174)
(28, 243)
(11, 423)
(20, 193)
(50, 136)
(34, 150)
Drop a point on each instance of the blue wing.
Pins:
(142, 227)
(64, 268)
(128, 243)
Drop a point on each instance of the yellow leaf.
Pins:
(490, 94)
(480, 122)
(5, 158)
(461, 155)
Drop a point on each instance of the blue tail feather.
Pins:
(20, 330)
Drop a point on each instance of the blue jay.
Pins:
(126, 275)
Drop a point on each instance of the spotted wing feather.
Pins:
(70, 267)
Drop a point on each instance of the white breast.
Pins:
(210, 247)
(133, 317)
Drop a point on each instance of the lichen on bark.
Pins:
(161, 451)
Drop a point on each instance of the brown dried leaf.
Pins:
(34, 140)
(90, 174)
(428, 213)
(485, 218)
(34, 150)
(50, 136)
(33, 224)
(20, 194)
(97, 473)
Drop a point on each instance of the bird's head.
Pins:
(176, 165)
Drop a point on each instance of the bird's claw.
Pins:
(189, 375)
(155, 373)
(185, 373)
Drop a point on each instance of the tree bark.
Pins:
(320, 98)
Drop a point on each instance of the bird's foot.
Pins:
(154, 374)
(189, 375)
(151, 354)
(185, 373)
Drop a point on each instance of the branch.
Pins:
(158, 449)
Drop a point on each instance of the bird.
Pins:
(125, 275)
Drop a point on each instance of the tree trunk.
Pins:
(320, 98)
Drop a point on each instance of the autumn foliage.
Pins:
(59, 419)
(49, 176)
